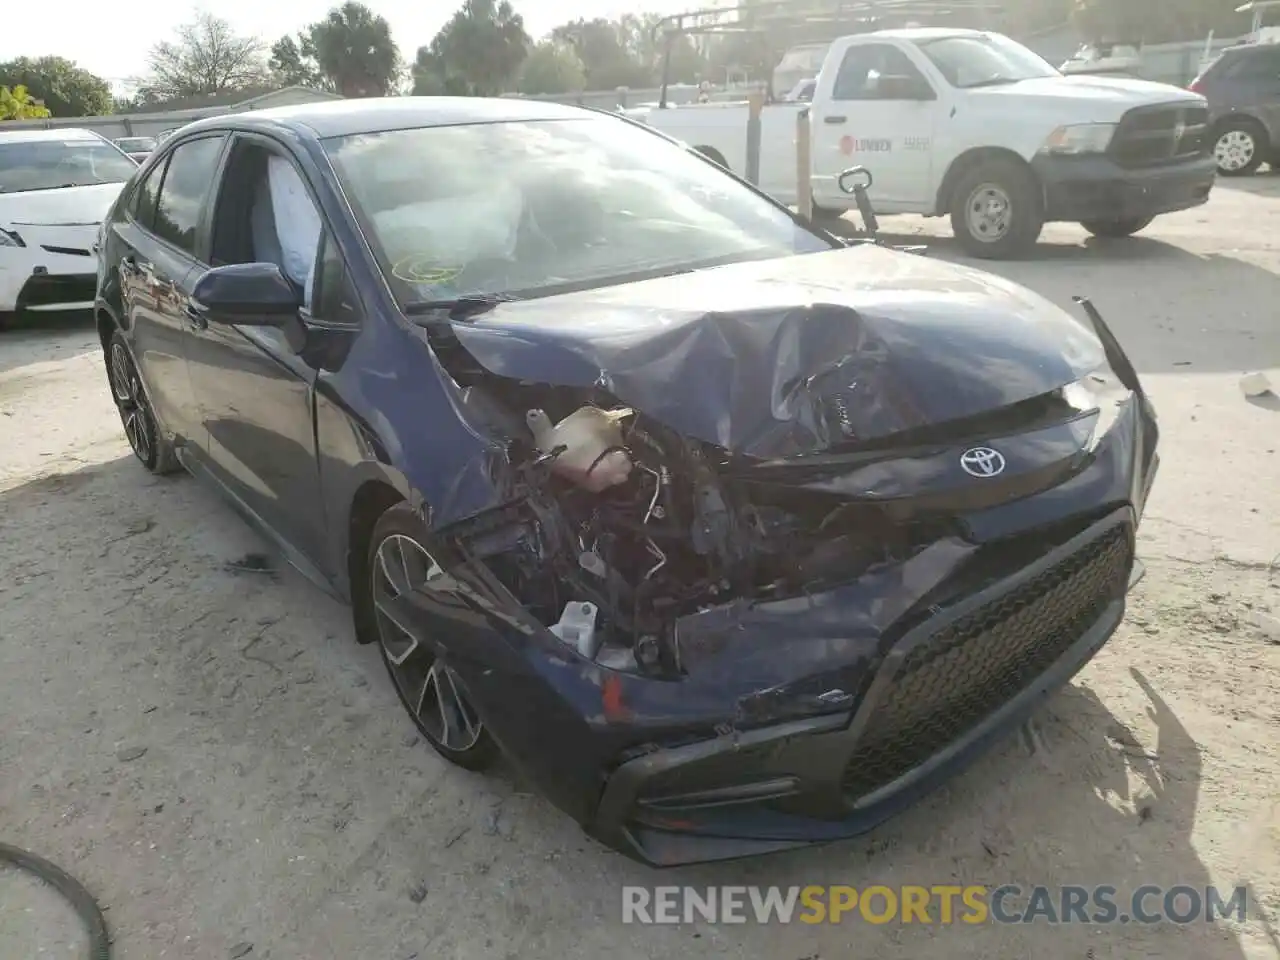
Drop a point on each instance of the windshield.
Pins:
(522, 208)
(984, 60)
(50, 164)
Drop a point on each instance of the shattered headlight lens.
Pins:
(1101, 392)
(1079, 138)
(10, 238)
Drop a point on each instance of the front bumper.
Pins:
(1098, 188)
(57, 269)
(931, 708)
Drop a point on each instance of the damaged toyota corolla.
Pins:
(732, 537)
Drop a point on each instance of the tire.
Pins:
(1116, 228)
(153, 450)
(997, 184)
(430, 691)
(72, 890)
(1240, 147)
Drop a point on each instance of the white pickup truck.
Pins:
(975, 126)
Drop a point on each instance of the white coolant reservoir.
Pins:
(593, 456)
(577, 627)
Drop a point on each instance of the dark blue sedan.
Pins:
(732, 536)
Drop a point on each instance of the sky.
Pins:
(112, 41)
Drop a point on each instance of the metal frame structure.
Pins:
(794, 22)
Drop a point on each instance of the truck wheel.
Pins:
(996, 210)
(1116, 228)
(1240, 148)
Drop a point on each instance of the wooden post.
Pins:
(755, 105)
(804, 165)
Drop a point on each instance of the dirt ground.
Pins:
(211, 754)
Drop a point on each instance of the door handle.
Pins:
(196, 316)
(834, 120)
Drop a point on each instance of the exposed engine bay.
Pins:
(623, 526)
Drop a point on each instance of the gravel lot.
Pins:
(210, 753)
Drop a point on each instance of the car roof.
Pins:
(342, 118)
(36, 134)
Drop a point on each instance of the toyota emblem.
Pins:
(982, 462)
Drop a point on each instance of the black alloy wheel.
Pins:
(431, 691)
(152, 450)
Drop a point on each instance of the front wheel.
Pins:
(1116, 228)
(996, 210)
(401, 566)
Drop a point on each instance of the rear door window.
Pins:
(186, 186)
(142, 206)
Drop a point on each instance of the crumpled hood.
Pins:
(70, 206)
(796, 355)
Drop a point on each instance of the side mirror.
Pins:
(894, 87)
(247, 294)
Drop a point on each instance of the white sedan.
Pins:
(55, 188)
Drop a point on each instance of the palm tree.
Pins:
(354, 49)
(17, 104)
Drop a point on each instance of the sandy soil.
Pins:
(214, 758)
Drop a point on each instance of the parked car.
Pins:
(55, 188)
(973, 126)
(1243, 90)
(733, 537)
(138, 148)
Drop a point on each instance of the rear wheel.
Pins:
(996, 210)
(401, 565)
(1116, 228)
(134, 406)
(1240, 148)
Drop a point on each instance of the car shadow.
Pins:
(27, 338)
(1263, 183)
(1093, 805)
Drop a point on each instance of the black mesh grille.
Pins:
(1150, 136)
(953, 680)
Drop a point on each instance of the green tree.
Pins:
(354, 50)
(478, 52)
(67, 90)
(292, 64)
(602, 47)
(645, 43)
(1157, 21)
(205, 57)
(17, 104)
(552, 67)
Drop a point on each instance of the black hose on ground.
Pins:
(72, 891)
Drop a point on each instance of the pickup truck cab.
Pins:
(974, 126)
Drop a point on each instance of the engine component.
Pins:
(577, 627)
(593, 455)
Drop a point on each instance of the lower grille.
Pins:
(956, 678)
(49, 290)
(1166, 133)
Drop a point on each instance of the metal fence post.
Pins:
(804, 165)
(754, 107)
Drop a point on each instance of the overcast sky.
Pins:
(112, 39)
